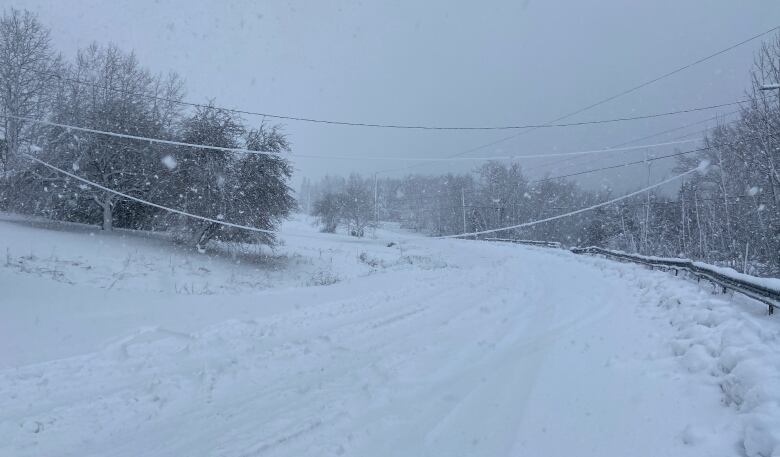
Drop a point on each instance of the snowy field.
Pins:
(126, 345)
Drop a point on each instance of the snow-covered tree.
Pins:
(199, 183)
(106, 90)
(28, 69)
(239, 187)
(258, 191)
(327, 210)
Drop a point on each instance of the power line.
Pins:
(140, 138)
(586, 152)
(381, 158)
(164, 208)
(699, 132)
(620, 165)
(675, 129)
(399, 126)
(138, 200)
(413, 127)
(651, 159)
(255, 229)
(656, 79)
(666, 75)
(619, 94)
(457, 208)
(618, 147)
(582, 210)
(633, 204)
(625, 164)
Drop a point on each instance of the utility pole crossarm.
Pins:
(770, 87)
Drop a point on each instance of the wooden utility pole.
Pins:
(463, 206)
(376, 201)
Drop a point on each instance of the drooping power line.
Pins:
(579, 211)
(651, 159)
(569, 161)
(408, 127)
(381, 158)
(612, 97)
(426, 127)
(255, 229)
(158, 206)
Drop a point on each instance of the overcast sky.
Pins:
(438, 62)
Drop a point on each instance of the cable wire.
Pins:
(422, 127)
(380, 158)
(164, 208)
(651, 159)
(582, 210)
(613, 97)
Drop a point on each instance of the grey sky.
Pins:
(438, 62)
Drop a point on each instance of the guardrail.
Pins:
(753, 287)
(765, 290)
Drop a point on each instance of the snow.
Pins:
(769, 283)
(125, 345)
(772, 284)
(169, 162)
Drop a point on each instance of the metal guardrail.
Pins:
(750, 288)
(753, 289)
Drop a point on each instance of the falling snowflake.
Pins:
(703, 166)
(169, 162)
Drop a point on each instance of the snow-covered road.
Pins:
(428, 347)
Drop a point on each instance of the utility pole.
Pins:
(772, 179)
(463, 203)
(376, 201)
(682, 212)
(647, 207)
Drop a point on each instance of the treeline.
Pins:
(495, 195)
(729, 215)
(105, 88)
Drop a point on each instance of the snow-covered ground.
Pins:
(126, 345)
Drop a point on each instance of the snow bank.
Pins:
(741, 353)
(730, 344)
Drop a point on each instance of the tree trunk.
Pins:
(107, 206)
(11, 145)
(204, 236)
(108, 217)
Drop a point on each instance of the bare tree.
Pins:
(28, 70)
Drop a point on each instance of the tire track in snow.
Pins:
(411, 361)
